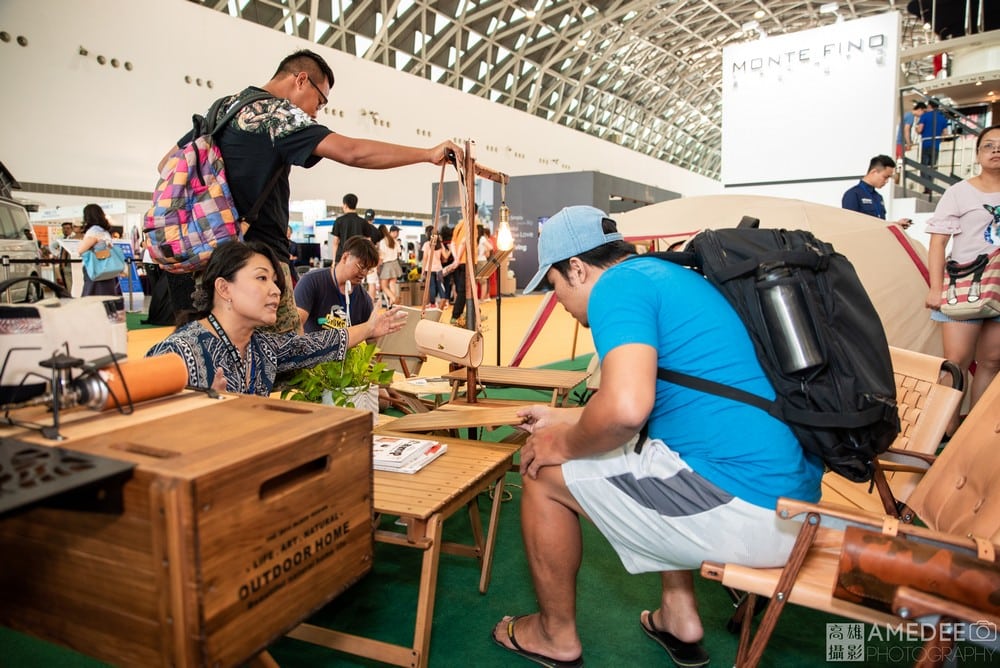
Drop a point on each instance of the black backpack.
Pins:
(839, 397)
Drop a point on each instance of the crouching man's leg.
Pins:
(550, 524)
(676, 625)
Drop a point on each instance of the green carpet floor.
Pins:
(609, 602)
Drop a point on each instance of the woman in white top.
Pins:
(388, 257)
(968, 215)
(484, 250)
(98, 231)
(430, 261)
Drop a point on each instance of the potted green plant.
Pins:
(352, 382)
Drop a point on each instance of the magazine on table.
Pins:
(404, 455)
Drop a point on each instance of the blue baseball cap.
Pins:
(572, 231)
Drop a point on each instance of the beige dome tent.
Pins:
(891, 266)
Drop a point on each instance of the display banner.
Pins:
(809, 106)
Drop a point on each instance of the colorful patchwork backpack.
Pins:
(193, 209)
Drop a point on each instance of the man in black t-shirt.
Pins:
(281, 131)
(348, 225)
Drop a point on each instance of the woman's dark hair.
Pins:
(604, 255)
(979, 139)
(429, 233)
(225, 262)
(94, 215)
(387, 236)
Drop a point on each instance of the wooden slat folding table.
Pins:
(425, 500)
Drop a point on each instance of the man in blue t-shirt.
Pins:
(705, 483)
(323, 297)
(865, 198)
(933, 125)
(906, 127)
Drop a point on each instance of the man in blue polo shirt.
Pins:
(865, 198)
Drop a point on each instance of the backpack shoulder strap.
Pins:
(708, 387)
(719, 390)
(210, 126)
(683, 258)
(273, 181)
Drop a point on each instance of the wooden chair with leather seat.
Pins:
(956, 498)
(928, 392)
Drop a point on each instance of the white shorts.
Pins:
(659, 515)
(371, 278)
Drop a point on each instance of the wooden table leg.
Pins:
(262, 660)
(428, 589)
(491, 535)
(476, 525)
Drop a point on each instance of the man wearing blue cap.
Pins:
(671, 476)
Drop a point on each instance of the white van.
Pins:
(17, 242)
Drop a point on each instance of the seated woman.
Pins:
(240, 291)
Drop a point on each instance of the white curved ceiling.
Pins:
(644, 74)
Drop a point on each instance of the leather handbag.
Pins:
(972, 290)
(461, 346)
(104, 261)
(873, 565)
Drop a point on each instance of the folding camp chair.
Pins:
(928, 392)
(955, 498)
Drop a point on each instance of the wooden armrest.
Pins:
(789, 508)
(711, 570)
(909, 603)
(901, 468)
(929, 459)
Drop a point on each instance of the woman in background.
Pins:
(96, 237)
(239, 292)
(389, 270)
(969, 216)
(484, 251)
(430, 262)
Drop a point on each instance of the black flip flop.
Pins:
(684, 654)
(540, 659)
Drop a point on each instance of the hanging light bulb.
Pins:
(505, 240)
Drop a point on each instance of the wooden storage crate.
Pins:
(242, 517)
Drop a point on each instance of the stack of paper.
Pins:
(404, 455)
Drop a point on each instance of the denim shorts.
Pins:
(937, 316)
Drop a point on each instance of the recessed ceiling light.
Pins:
(979, 83)
(759, 14)
(530, 13)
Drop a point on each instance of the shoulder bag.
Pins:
(103, 261)
(972, 290)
